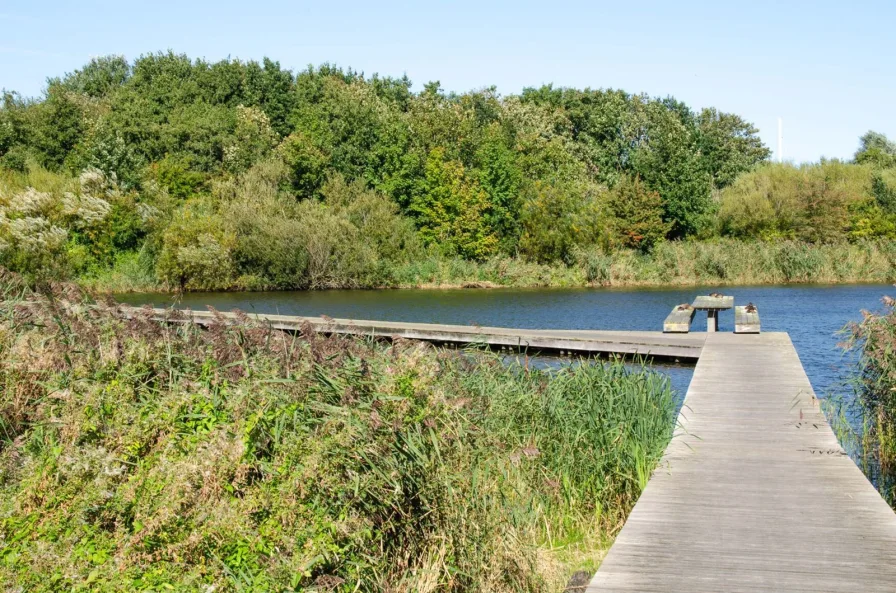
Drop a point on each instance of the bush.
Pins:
(16, 159)
(68, 225)
(809, 203)
(377, 219)
(196, 250)
(307, 164)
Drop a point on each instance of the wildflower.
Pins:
(31, 201)
(94, 182)
(34, 234)
(86, 210)
(147, 213)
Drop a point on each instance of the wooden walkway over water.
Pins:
(678, 347)
(754, 492)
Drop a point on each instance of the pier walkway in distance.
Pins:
(654, 344)
(754, 493)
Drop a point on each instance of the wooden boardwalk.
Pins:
(679, 347)
(754, 492)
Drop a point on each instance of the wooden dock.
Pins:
(679, 347)
(754, 492)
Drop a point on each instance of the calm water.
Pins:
(811, 314)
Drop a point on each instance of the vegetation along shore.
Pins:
(168, 173)
(873, 342)
(138, 455)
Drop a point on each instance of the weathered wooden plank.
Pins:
(746, 319)
(703, 303)
(588, 342)
(754, 493)
(679, 320)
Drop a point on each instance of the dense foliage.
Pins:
(245, 175)
(138, 455)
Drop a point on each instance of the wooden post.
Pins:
(712, 320)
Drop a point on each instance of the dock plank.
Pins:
(702, 303)
(754, 493)
(679, 320)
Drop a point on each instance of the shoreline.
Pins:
(673, 264)
(488, 285)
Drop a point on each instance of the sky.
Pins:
(826, 68)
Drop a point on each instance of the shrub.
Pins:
(377, 219)
(809, 203)
(42, 229)
(176, 177)
(196, 250)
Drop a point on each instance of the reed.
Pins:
(138, 455)
(872, 343)
(674, 263)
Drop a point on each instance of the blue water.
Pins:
(812, 315)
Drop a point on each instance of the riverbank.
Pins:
(157, 456)
(722, 263)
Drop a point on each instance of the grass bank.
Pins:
(724, 262)
(136, 455)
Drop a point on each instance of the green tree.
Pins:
(883, 188)
(100, 77)
(362, 134)
(453, 211)
(557, 217)
(500, 176)
(637, 215)
(307, 164)
(58, 124)
(670, 164)
(876, 149)
(728, 146)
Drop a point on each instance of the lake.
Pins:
(811, 314)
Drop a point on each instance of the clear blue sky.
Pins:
(827, 68)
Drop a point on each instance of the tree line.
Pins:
(245, 174)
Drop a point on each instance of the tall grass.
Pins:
(735, 262)
(873, 340)
(138, 455)
(674, 263)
